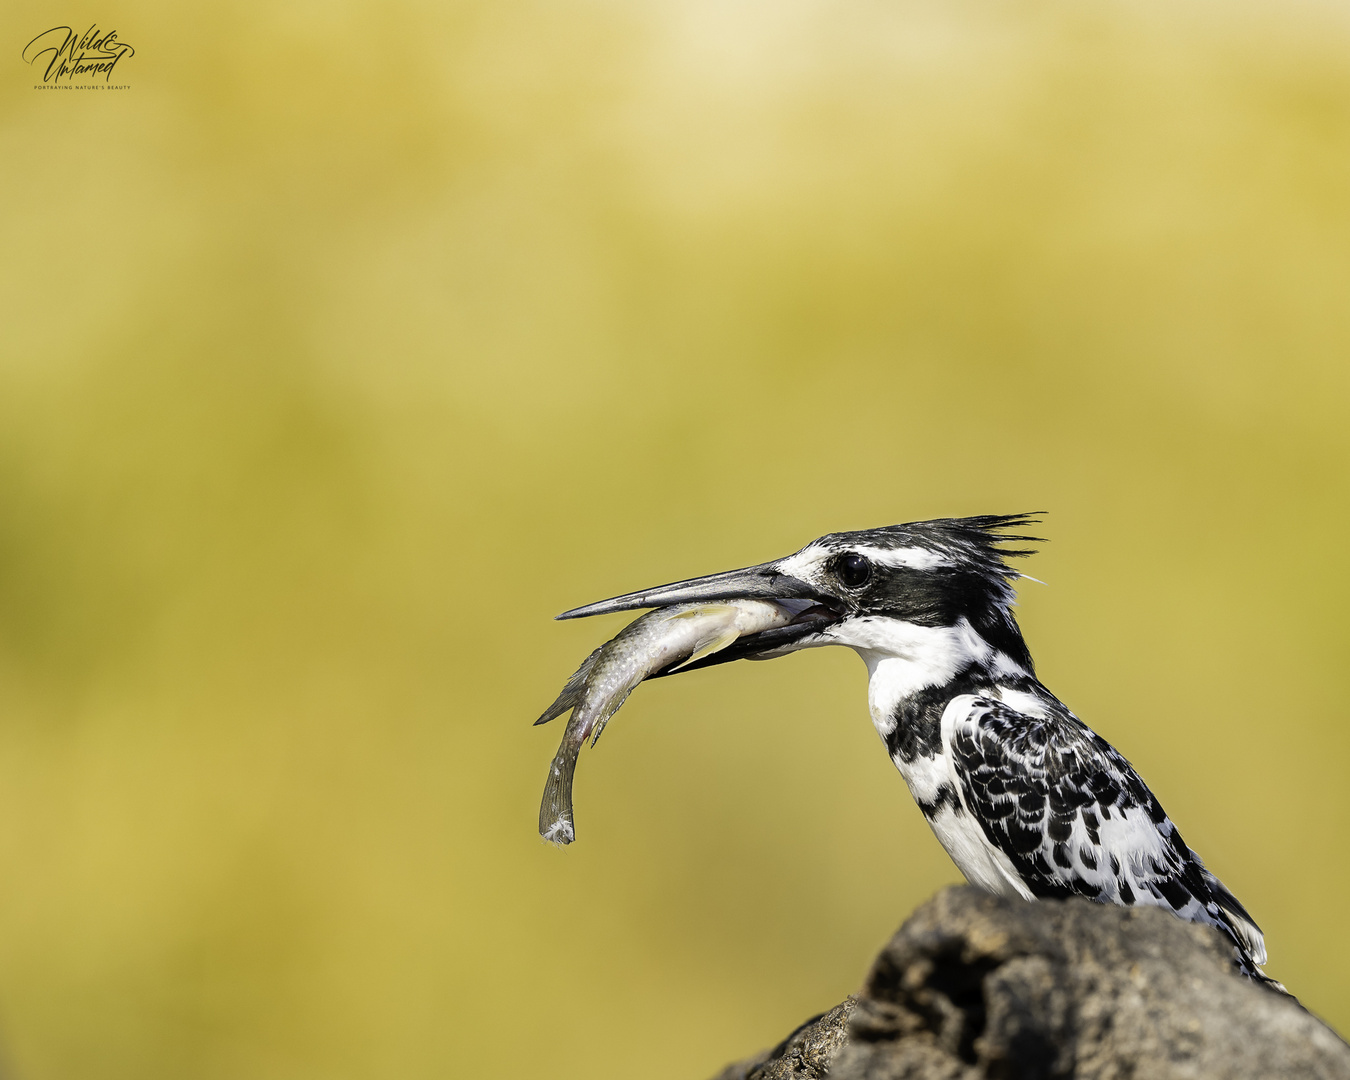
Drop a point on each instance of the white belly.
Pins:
(982, 863)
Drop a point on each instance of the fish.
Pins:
(661, 642)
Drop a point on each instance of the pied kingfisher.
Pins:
(1026, 799)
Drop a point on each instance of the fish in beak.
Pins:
(813, 609)
(755, 613)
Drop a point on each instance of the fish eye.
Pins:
(853, 570)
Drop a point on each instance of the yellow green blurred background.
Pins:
(356, 340)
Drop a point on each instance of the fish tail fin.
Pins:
(555, 810)
(571, 693)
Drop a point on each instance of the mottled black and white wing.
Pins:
(1075, 819)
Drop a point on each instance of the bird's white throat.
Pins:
(904, 658)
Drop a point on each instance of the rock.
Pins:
(979, 987)
(806, 1054)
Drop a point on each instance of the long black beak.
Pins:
(762, 582)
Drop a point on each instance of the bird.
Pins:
(1027, 800)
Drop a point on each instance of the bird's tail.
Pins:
(1246, 967)
(1249, 944)
(1243, 925)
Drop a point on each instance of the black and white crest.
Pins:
(932, 573)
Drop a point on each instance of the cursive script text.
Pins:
(70, 55)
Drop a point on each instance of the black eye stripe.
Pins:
(853, 570)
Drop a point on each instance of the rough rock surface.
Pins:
(975, 986)
(806, 1054)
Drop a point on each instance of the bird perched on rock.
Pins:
(1026, 798)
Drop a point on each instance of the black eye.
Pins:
(854, 570)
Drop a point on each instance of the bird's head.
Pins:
(874, 589)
